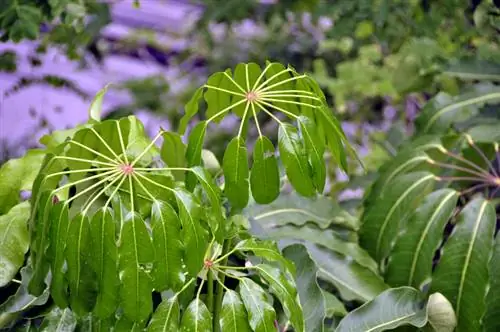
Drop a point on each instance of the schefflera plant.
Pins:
(302, 140)
(116, 220)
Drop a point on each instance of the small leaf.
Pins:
(14, 241)
(393, 308)
(59, 320)
(261, 314)
(441, 314)
(265, 249)
(95, 109)
(196, 318)
(211, 189)
(193, 151)
(190, 110)
(216, 99)
(166, 229)
(233, 316)
(264, 177)
(166, 317)
(104, 262)
(285, 290)
(315, 148)
(235, 166)
(173, 153)
(334, 307)
(310, 294)
(294, 158)
(462, 272)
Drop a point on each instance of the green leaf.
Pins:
(381, 220)
(136, 255)
(310, 294)
(264, 177)
(443, 110)
(333, 306)
(265, 249)
(235, 166)
(490, 320)
(474, 70)
(196, 318)
(95, 109)
(58, 237)
(393, 308)
(194, 235)
(213, 192)
(166, 229)
(193, 151)
(353, 281)
(233, 316)
(218, 100)
(261, 314)
(294, 158)
(315, 148)
(173, 153)
(298, 210)
(17, 175)
(190, 110)
(59, 320)
(285, 290)
(82, 283)
(166, 317)
(335, 137)
(14, 241)
(486, 133)
(441, 314)
(280, 74)
(104, 262)
(462, 273)
(413, 253)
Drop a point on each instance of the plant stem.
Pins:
(219, 291)
(210, 290)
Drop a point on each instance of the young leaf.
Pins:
(235, 166)
(264, 177)
(193, 151)
(315, 148)
(393, 308)
(233, 316)
(136, 253)
(462, 273)
(166, 229)
(82, 285)
(104, 262)
(95, 109)
(173, 153)
(285, 290)
(380, 223)
(190, 110)
(261, 314)
(295, 161)
(196, 318)
(166, 317)
(265, 249)
(413, 254)
(14, 241)
(441, 314)
(310, 294)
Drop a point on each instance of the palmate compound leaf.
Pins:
(272, 90)
(462, 272)
(92, 224)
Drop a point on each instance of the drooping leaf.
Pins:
(193, 151)
(261, 313)
(310, 294)
(315, 148)
(265, 249)
(380, 222)
(190, 110)
(14, 241)
(212, 191)
(264, 177)
(166, 229)
(104, 263)
(298, 210)
(411, 261)
(392, 308)
(82, 283)
(235, 166)
(173, 152)
(491, 322)
(233, 316)
(196, 318)
(166, 317)
(17, 175)
(462, 272)
(294, 158)
(136, 255)
(59, 320)
(335, 137)
(353, 281)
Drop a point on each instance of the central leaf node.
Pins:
(252, 96)
(208, 263)
(127, 169)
